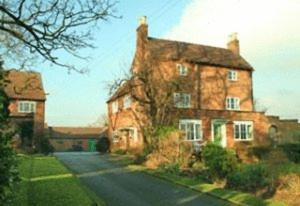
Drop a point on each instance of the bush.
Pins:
(8, 162)
(172, 168)
(120, 152)
(140, 158)
(219, 161)
(77, 148)
(292, 150)
(261, 151)
(46, 147)
(169, 149)
(249, 178)
(103, 145)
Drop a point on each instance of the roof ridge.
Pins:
(23, 71)
(190, 43)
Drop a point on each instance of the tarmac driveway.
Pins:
(117, 185)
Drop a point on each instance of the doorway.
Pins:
(92, 145)
(219, 132)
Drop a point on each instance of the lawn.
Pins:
(45, 181)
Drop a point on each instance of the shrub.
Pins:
(292, 150)
(140, 158)
(249, 178)
(120, 151)
(219, 161)
(169, 149)
(8, 162)
(77, 148)
(103, 145)
(45, 146)
(172, 168)
(260, 151)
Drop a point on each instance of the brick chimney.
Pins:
(233, 44)
(142, 33)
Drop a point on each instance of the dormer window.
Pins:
(26, 106)
(232, 75)
(182, 69)
(115, 106)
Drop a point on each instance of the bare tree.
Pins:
(153, 94)
(42, 28)
(102, 121)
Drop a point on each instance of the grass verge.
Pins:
(45, 181)
(238, 198)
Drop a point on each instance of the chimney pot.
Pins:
(143, 20)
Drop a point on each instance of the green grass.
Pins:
(239, 198)
(45, 181)
(235, 197)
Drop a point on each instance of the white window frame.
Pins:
(248, 130)
(182, 100)
(232, 75)
(183, 125)
(127, 101)
(233, 103)
(115, 106)
(182, 69)
(31, 105)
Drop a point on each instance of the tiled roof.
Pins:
(25, 85)
(201, 54)
(196, 53)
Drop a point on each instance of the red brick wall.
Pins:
(62, 145)
(38, 117)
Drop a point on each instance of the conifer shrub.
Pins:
(219, 161)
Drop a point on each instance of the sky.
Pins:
(268, 30)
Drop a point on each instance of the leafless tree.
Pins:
(44, 28)
(102, 121)
(153, 93)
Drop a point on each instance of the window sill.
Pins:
(243, 140)
(233, 109)
(194, 140)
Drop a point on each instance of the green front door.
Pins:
(217, 129)
(92, 145)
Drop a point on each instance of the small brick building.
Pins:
(75, 138)
(27, 104)
(214, 101)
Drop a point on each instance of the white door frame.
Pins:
(223, 130)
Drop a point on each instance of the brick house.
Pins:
(75, 138)
(27, 104)
(214, 102)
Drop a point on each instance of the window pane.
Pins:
(182, 127)
(190, 131)
(243, 131)
(227, 103)
(237, 131)
(198, 131)
(32, 107)
(249, 131)
(21, 106)
(26, 107)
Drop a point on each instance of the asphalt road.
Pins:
(117, 185)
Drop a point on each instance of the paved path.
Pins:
(116, 185)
